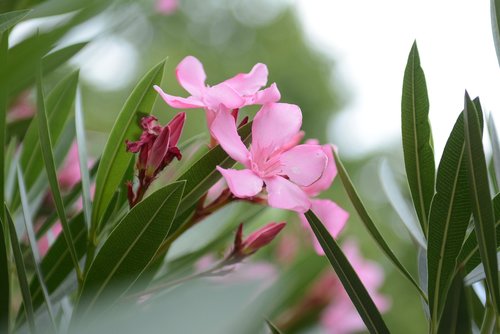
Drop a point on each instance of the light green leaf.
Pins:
(495, 25)
(129, 249)
(484, 223)
(348, 277)
(450, 215)
(495, 148)
(50, 168)
(369, 224)
(417, 137)
(273, 328)
(10, 19)
(115, 159)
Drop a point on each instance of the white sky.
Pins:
(371, 40)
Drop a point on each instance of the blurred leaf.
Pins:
(58, 105)
(484, 223)
(21, 273)
(495, 148)
(4, 282)
(18, 128)
(456, 318)
(272, 327)
(449, 218)
(477, 274)
(369, 224)
(417, 137)
(469, 256)
(50, 168)
(129, 249)
(348, 277)
(30, 231)
(495, 25)
(398, 202)
(490, 316)
(115, 159)
(10, 19)
(82, 157)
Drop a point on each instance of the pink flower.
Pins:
(69, 174)
(270, 160)
(256, 240)
(166, 7)
(341, 317)
(22, 108)
(236, 92)
(48, 238)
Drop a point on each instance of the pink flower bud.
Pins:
(257, 239)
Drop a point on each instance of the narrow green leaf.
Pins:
(50, 168)
(495, 25)
(115, 159)
(495, 148)
(417, 137)
(370, 225)
(482, 209)
(456, 318)
(449, 217)
(348, 277)
(10, 19)
(82, 156)
(129, 249)
(272, 327)
(28, 222)
(21, 273)
(477, 274)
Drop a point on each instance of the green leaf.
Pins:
(417, 137)
(495, 25)
(369, 224)
(484, 223)
(348, 277)
(21, 273)
(50, 168)
(129, 249)
(272, 327)
(115, 159)
(10, 19)
(4, 283)
(450, 215)
(477, 274)
(495, 148)
(456, 318)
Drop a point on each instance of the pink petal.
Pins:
(242, 183)
(179, 102)
(331, 215)
(249, 83)
(176, 125)
(166, 7)
(328, 175)
(283, 194)
(275, 125)
(269, 95)
(224, 130)
(223, 94)
(191, 75)
(304, 164)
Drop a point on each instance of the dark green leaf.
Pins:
(369, 224)
(495, 25)
(456, 318)
(348, 277)
(21, 273)
(417, 137)
(129, 249)
(10, 19)
(450, 215)
(495, 148)
(484, 223)
(115, 159)
(18, 128)
(50, 168)
(477, 274)
(4, 283)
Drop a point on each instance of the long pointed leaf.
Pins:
(495, 148)
(129, 249)
(115, 159)
(348, 277)
(50, 168)
(456, 318)
(417, 137)
(369, 224)
(482, 209)
(495, 25)
(10, 19)
(450, 215)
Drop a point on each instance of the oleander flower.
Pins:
(271, 161)
(166, 7)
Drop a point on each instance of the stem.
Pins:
(489, 320)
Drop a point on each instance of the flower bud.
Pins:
(255, 240)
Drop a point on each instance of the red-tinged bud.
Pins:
(256, 240)
(158, 151)
(130, 193)
(176, 125)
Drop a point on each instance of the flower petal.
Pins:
(176, 125)
(179, 102)
(242, 183)
(325, 181)
(223, 94)
(269, 95)
(224, 130)
(275, 125)
(304, 164)
(283, 194)
(249, 83)
(191, 75)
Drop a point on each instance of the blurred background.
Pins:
(341, 62)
